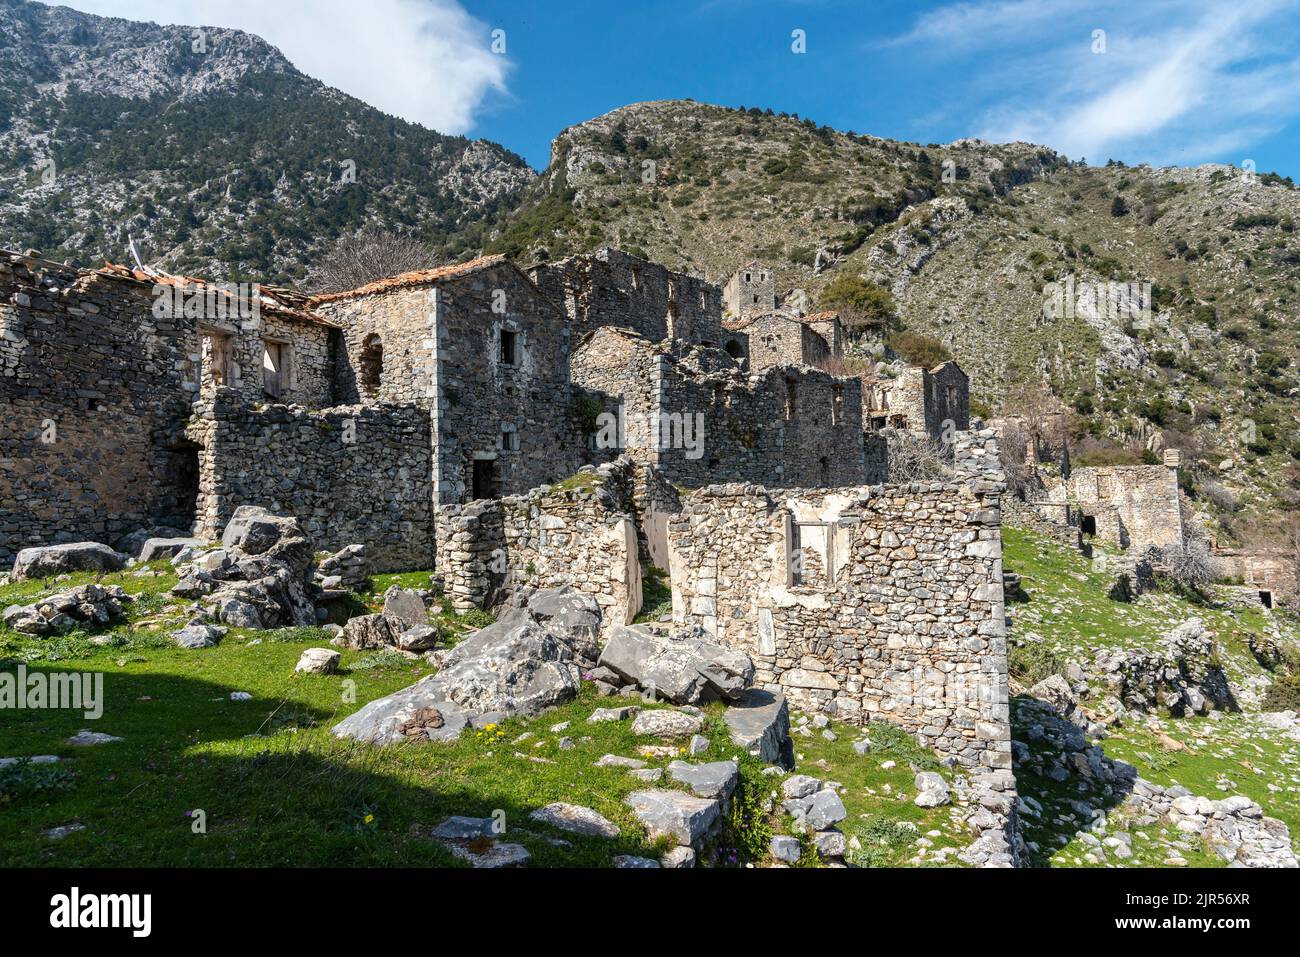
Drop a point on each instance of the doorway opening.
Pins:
(486, 482)
(1088, 524)
(1266, 599)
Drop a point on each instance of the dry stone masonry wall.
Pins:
(349, 475)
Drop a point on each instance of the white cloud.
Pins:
(427, 61)
(1180, 81)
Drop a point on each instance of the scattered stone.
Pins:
(760, 724)
(318, 661)
(86, 738)
(575, 819)
(618, 761)
(198, 636)
(614, 714)
(629, 861)
(678, 857)
(717, 779)
(786, 848)
(683, 817)
(666, 723)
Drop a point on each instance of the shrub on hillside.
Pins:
(919, 349)
(860, 302)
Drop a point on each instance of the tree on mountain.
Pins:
(371, 254)
(860, 303)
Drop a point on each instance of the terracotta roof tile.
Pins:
(419, 277)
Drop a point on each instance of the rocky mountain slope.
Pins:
(212, 151)
(968, 236)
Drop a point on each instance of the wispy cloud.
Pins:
(424, 60)
(1178, 81)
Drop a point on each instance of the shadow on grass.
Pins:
(273, 788)
(1070, 778)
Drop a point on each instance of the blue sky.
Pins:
(1169, 82)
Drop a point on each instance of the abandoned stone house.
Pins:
(1132, 507)
(921, 401)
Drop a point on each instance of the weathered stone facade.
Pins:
(923, 401)
(487, 352)
(714, 423)
(581, 534)
(1132, 506)
(96, 387)
(613, 288)
(778, 339)
(750, 291)
(866, 603)
(349, 475)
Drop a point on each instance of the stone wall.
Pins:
(580, 533)
(394, 327)
(350, 475)
(792, 425)
(865, 603)
(94, 393)
(919, 400)
(612, 288)
(780, 340)
(1132, 506)
(487, 353)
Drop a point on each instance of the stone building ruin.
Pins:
(574, 423)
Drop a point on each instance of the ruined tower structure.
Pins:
(750, 291)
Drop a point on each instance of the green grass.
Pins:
(879, 800)
(1071, 616)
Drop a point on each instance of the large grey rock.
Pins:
(632, 862)
(367, 632)
(800, 786)
(405, 606)
(683, 817)
(1056, 691)
(132, 543)
(156, 548)
(418, 713)
(46, 561)
(318, 661)
(515, 666)
(785, 848)
(684, 670)
(419, 638)
(819, 811)
(717, 779)
(570, 613)
(760, 723)
(575, 819)
(198, 636)
(666, 723)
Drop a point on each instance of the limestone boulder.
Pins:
(318, 661)
(666, 723)
(370, 632)
(683, 669)
(156, 548)
(198, 636)
(406, 606)
(760, 723)
(686, 819)
(47, 561)
(575, 819)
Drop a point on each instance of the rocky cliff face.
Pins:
(212, 151)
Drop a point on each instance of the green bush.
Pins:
(919, 349)
(1031, 663)
(1283, 694)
